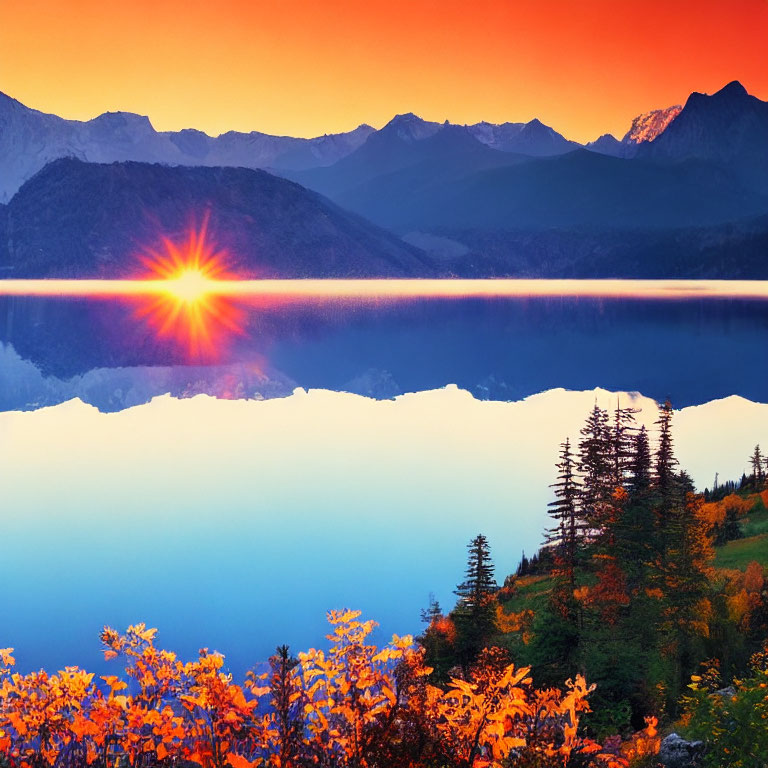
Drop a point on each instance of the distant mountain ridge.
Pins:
(700, 166)
(78, 219)
(29, 139)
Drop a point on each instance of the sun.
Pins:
(188, 309)
(190, 286)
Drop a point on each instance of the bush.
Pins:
(732, 722)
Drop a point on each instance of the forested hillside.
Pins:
(654, 592)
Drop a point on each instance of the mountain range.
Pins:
(684, 193)
(29, 139)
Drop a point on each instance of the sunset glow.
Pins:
(304, 68)
(181, 302)
(190, 286)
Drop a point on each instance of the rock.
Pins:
(676, 752)
(726, 693)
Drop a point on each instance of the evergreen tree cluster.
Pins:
(759, 465)
(626, 592)
(631, 566)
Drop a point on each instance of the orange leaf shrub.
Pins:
(352, 706)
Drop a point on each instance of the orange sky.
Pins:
(304, 67)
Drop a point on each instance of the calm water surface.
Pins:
(237, 524)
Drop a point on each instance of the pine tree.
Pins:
(475, 612)
(622, 443)
(568, 533)
(664, 476)
(432, 611)
(635, 531)
(757, 467)
(595, 466)
(288, 703)
(640, 464)
(479, 583)
(684, 578)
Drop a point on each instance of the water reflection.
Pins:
(690, 350)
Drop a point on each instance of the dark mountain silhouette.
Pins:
(705, 165)
(735, 250)
(729, 127)
(429, 153)
(389, 172)
(579, 189)
(397, 145)
(79, 219)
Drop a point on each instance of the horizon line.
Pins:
(398, 288)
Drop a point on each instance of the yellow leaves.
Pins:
(121, 701)
(142, 633)
(703, 613)
(114, 683)
(499, 716)
(387, 654)
(351, 702)
(514, 677)
(403, 643)
(343, 617)
(460, 685)
(6, 657)
(643, 744)
(147, 680)
(109, 654)
(514, 622)
(389, 694)
(190, 702)
(738, 606)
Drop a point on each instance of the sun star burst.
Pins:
(188, 309)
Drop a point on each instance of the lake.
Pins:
(691, 350)
(338, 468)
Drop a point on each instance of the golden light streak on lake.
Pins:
(394, 289)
